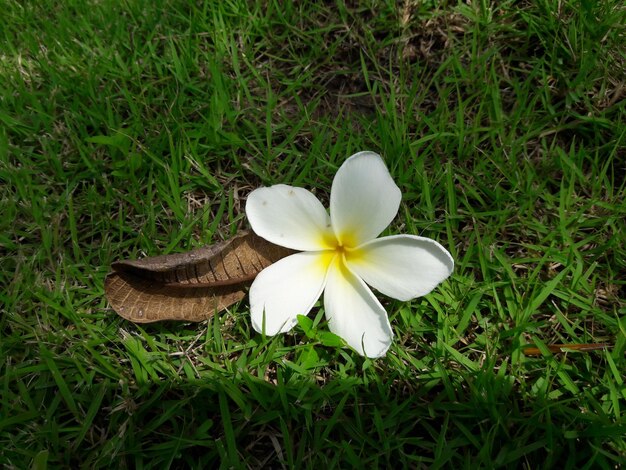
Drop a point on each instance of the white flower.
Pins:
(339, 254)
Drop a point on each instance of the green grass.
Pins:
(138, 128)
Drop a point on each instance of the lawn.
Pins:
(137, 128)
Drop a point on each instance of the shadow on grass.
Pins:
(245, 421)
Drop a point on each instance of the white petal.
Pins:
(290, 217)
(286, 289)
(354, 313)
(402, 266)
(363, 199)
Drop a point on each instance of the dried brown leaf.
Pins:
(189, 286)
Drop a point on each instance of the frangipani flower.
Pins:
(339, 254)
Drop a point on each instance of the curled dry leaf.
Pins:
(189, 286)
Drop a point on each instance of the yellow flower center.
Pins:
(339, 250)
